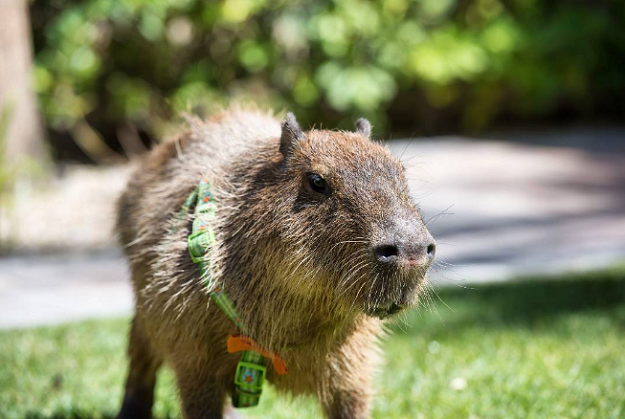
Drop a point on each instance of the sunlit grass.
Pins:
(541, 349)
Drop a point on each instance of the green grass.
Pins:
(550, 348)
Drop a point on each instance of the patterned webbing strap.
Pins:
(251, 370)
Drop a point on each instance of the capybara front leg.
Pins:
(139, 394)
(347, 405)
(202, 392)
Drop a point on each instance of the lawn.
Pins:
(538, 348)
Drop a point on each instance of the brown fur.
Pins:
(297, 265)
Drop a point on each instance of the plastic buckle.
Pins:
(250, 377)
(242, 399)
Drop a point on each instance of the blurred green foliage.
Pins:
(416, 65)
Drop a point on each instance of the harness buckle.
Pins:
(250, 376)
(248, 380)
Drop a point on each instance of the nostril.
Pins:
(386, 253)
(431, 250)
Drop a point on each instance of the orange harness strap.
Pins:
(239, 343)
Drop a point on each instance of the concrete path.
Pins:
(56, 289)
(497, 209)
(502, 210)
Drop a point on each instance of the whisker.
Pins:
(443, 212)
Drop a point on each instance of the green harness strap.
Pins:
(251, 370)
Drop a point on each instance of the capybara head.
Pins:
(348, 220)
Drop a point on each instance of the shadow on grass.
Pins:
(67, 416)
(522, 303)
(532, 297)
(79, 415)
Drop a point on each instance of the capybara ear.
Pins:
(364, 127)
(291, 134)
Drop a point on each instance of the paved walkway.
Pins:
(515, 209)
(498, 210)
(56, 289)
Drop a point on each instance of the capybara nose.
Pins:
(430, 251)
(420, 253)
(410, 254)
(386, 253)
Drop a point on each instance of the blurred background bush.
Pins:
(114, 75)
(543, 80)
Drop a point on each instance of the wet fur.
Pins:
(296, 268)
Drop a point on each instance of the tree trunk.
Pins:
(23, 133)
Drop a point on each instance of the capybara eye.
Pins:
(318, 184)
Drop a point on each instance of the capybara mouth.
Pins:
(396, 295)
(383, 312)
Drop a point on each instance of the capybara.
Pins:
(317, 240)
